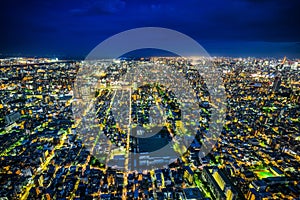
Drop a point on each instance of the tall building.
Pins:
(219, 184)
(276, 83)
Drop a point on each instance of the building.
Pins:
(219, 184)
(259, 185)
(188, 174)
(13, 117)
(192, 194)
(256, 195)
(276, 84)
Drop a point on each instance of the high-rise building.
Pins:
(276, 83)
(219, 184)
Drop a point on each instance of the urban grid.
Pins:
(47, 152)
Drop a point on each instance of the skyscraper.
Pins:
(276, 83)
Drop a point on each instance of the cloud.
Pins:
(103, 7)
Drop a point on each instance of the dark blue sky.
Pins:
(258, 28)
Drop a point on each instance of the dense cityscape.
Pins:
(47, 152)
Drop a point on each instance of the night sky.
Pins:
(58, 28)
